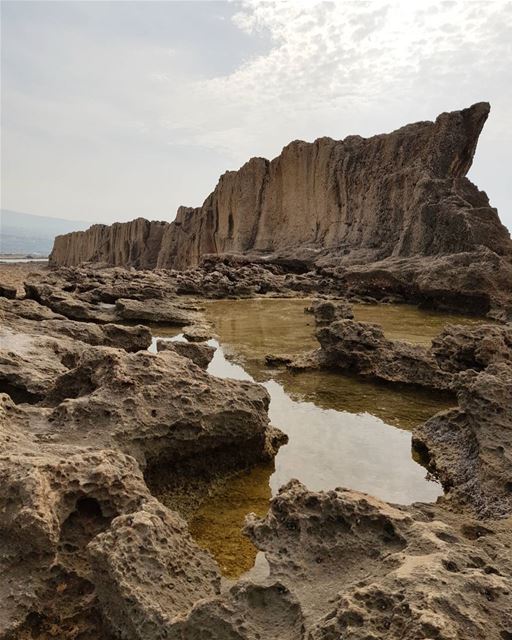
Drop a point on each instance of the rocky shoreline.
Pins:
(90, 418)
(89, 415)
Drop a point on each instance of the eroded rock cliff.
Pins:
(359, 199)
(123, 244)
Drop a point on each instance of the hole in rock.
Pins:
(83, 524)
(73, 384)
(473, 532)
(20, 395)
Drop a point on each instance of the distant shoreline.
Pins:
(21, 257)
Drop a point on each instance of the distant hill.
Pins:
(24, 233)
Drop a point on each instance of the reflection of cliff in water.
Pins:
(397, 405)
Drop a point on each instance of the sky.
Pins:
(114, 110)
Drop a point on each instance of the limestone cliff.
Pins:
(129, 244)
(360, 200)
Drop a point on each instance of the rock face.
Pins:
(399, 201)
(470, 448)
(398, 194)
(136, 244)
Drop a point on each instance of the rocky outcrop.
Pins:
(38, 345)
(157, 311)
(399, 194)
(342, 564)
(358, 201)
(142, 599)
(327, 311)
(362, 569)
(86, 420)
(69, 301)
(135, 244)
(201, 354)
(362, 348)
(470, 448)
(87, 552)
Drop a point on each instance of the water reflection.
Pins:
(342, 430)
(331, 447)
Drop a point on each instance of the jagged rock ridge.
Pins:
(359, 200)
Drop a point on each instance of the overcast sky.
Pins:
(113, 110)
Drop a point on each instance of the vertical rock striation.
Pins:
(122, 244)
(358, 200)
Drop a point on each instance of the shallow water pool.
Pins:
(343, 431)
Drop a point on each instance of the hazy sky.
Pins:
(113, 110)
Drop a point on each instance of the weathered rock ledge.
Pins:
(89, 420)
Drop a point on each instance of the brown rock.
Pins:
(8, 291)
(142, 594)
(158, 311)
(361, 347)
(458, 348)
(470, 448)
(361, 568)
(199, 332)
(327, 311)
(394, 212)
(200, 354)
(136, 243)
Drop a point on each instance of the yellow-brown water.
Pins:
(342, 431)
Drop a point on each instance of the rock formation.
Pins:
(400, 200)
(469, 448)
(127, 244)
(91, 418)
(78, 425)
(327, 311)
(398, 194)
(200, 353)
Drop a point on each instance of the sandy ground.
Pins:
(15, 273)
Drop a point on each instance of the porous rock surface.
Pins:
(362, 569)
(200, 353)
(38, 345)
(77, 520)
(327, 311)
(393, 211)
(86, 551)
(470, 447)
(362, 348)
